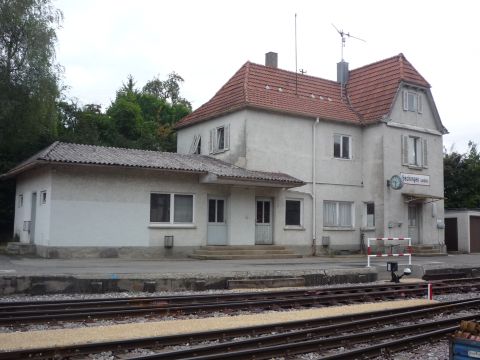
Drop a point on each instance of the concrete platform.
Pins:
(38, 275)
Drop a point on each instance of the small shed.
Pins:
(462, 230)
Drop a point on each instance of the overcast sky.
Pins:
(101, 42)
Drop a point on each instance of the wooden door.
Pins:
(451, 234)
(474, 234)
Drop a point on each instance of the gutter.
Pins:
(314, 188)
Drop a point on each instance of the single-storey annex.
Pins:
(83, 200)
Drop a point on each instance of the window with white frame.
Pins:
(338, 214)
(171, 208)
(220, 139)
(342, 146)
(293, 212)
(414, 151)
(369, 215)
(43, 197)
(20, 200)
(412, 101)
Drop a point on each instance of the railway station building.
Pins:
(274, 158)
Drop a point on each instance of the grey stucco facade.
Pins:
(272, 141)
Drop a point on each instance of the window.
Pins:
(412, 101)
(341, 146)
(220, 139)
(43, 197)
(263, 212)
(20, 200)
(369, 215)
(414, 151)
(338, 214)
(293, 213)
(196, 146)
(171, 208)
(216, 211)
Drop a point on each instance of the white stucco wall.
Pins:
(463, 226)
(111, 207)
(35, 181)
(396, 210)
(236, 152)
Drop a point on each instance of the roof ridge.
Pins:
(245, 82)
(379, 62)
(293, 73)
(401, 58)
(116, 147)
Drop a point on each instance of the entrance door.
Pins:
(33, 215)
(263, 222)
(451, 234)
(217, 225)
(474, 234)
(414, 222)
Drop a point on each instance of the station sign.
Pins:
(415, 179)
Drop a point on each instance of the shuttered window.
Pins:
(219, 139)
(412, 101)
(414, 151)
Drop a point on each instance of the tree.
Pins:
(462, 178)
(168, 90)
(28, 86)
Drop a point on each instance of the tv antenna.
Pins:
(344, 36)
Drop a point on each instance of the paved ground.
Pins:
(129, 268)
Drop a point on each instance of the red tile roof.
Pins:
(370, 89)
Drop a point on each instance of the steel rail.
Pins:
(25, 317)
(201, 298)
(308, 298)
(308, 327)
(7, 306)
(305, 341)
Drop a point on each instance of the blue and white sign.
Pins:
(415, 179)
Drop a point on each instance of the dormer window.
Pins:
(412, 101)
(220, 139)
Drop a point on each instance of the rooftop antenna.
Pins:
(296, 66)
(344, 35)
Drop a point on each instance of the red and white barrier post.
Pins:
(429, 291)
(379, 254)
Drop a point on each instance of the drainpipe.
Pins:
(314, 189)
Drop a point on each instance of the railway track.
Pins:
(353, 334)
(72, 310)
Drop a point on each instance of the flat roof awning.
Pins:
(421, 198)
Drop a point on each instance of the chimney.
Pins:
(342, 72)
(271, 59)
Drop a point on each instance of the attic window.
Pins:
(321, 97)
(329, 99)
(412, 101)
(267, 87)
(280, 89)
(312, 96)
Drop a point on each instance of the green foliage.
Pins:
(136, 119)
(28, 86)
(462, 178)
(33, 113)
